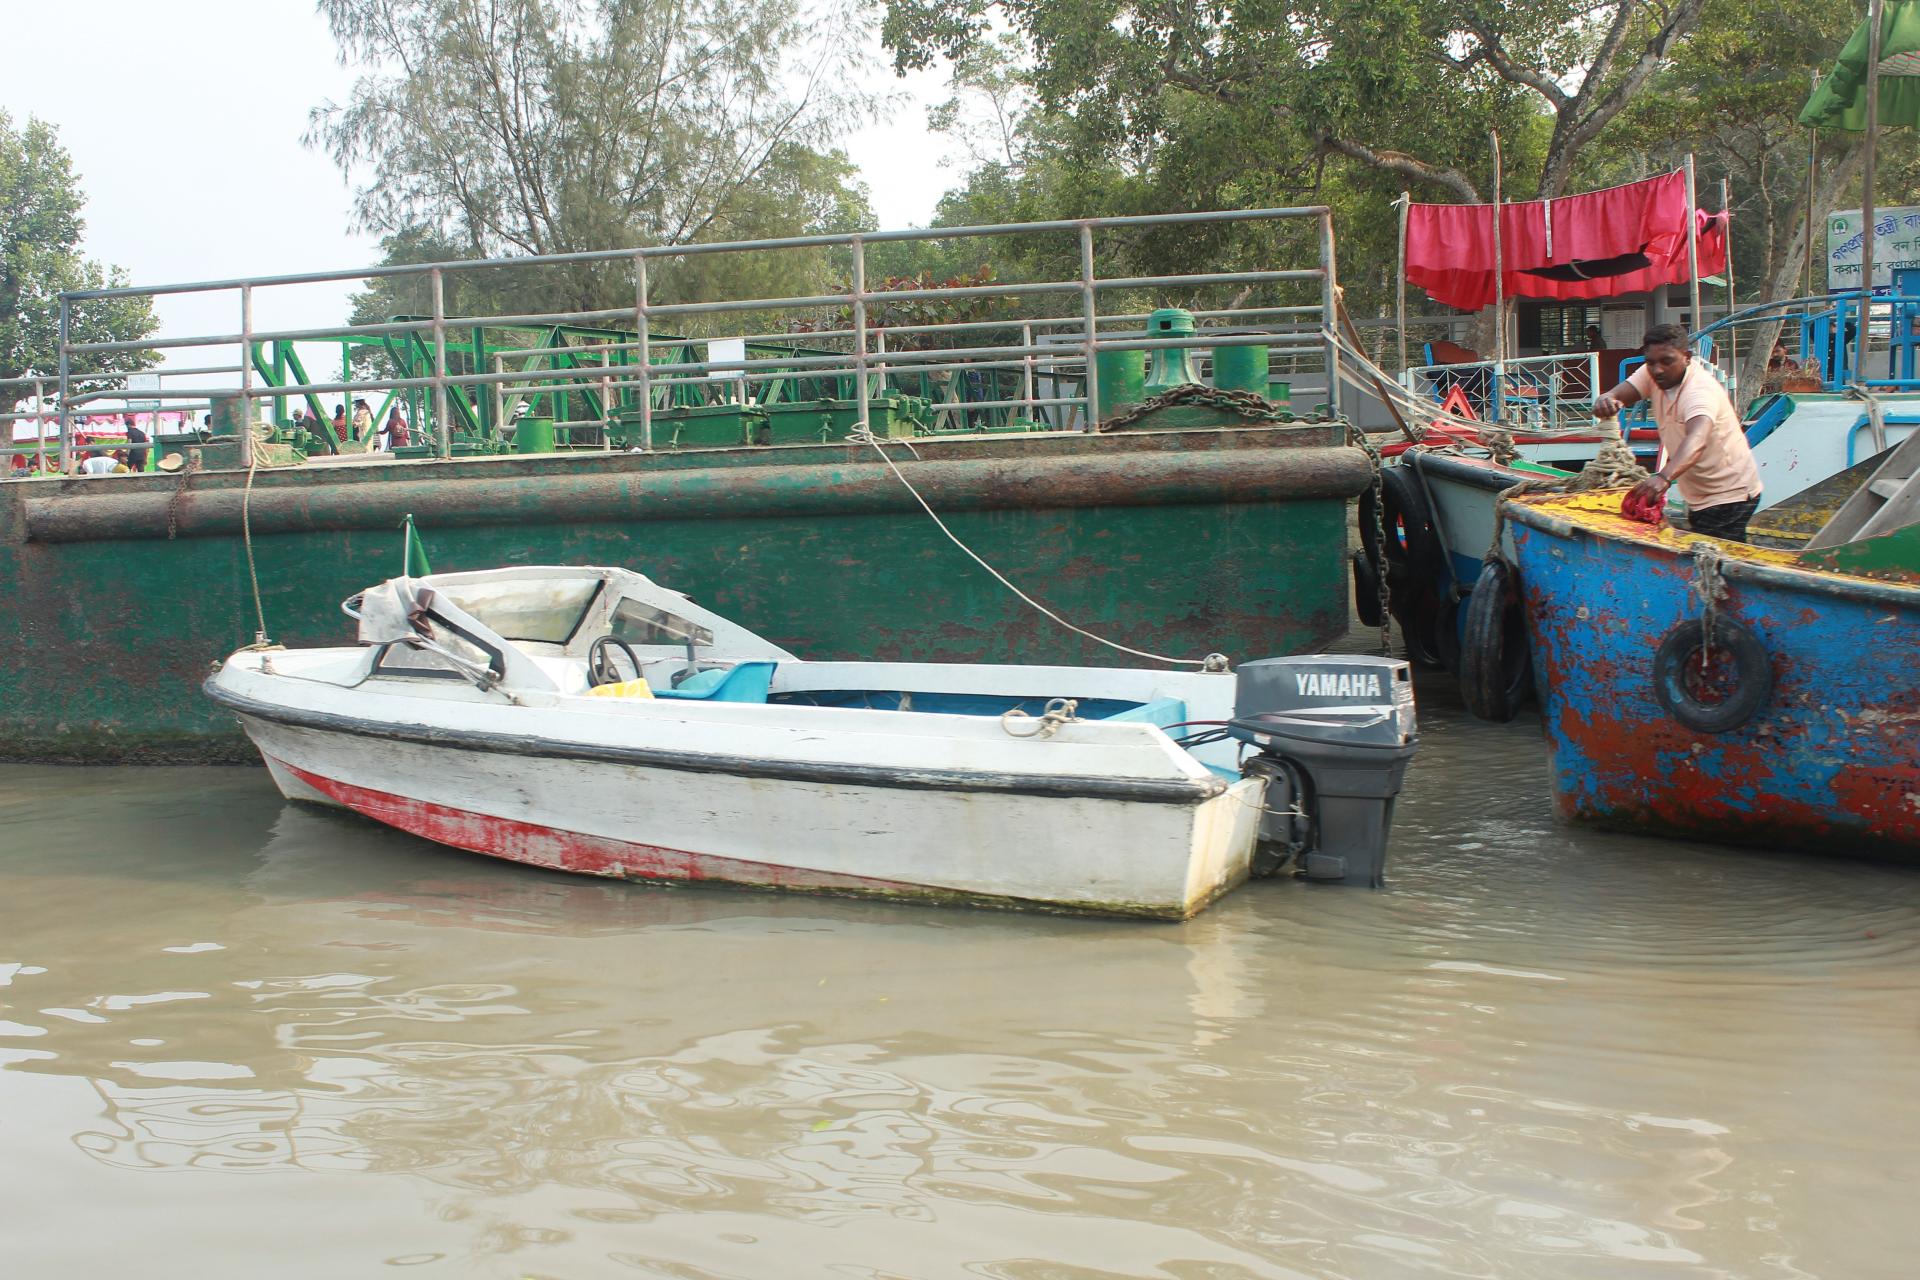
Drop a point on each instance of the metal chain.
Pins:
(180, 492)
(1248, 404)
(1375, 462)
(1709, 588)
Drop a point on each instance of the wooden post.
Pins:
(1733, 341)
(1693, 251)
(1867, 210)
(1813, 178)
(1400, 288)
(1499, 291)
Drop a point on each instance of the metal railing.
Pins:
(1044, 345)
(1526, 393)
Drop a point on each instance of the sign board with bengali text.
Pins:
(1896, 245)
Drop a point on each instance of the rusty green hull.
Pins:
(117, 593)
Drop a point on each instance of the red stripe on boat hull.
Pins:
(560, 850)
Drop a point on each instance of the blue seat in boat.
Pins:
(1161, 711)
(744, 682)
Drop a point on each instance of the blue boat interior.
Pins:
(1163, 712)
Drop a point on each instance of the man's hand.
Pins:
(1651, 489)
(1606, 407)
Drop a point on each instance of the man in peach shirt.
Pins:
(1707, 453)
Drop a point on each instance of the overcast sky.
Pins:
(184, 123)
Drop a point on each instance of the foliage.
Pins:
(493, 128)
(40, 233)
(892, 313)
(1405, 87)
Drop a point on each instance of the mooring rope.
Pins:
(861, 435)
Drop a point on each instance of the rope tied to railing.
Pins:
(861, 435)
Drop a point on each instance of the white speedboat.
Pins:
(591, 720)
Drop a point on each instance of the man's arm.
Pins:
(1621, 397)
(1693, 447)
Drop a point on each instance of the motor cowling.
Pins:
(1332, 734)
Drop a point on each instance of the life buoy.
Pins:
(1496, 667)
(1680, 662)
(1409, 523)
(1366, 590)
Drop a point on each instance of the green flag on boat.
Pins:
(413, 555)
(1840, 100)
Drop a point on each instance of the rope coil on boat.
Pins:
(1059, 712)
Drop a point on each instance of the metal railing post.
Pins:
(641, 327)
(40, 424)
(1089, 318)
(1329, 313)
(66, 388)
(442, 424)
(499, 396)
(1026, 372)
(246, 376)
(860, 331)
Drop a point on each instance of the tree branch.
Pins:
(1406, 166)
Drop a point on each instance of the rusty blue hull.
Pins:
(1830, 760)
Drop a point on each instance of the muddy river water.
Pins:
(240, 1039)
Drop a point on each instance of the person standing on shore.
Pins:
(1707, 454)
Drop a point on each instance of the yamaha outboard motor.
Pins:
(1333, 734)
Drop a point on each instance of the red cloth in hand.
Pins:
(1650, 511)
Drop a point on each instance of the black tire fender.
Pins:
(1496, 667)
(1409, 522)
(1446, 633)
(1366, 590)
(1752, 675)
(1418, 611)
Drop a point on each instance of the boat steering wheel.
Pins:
(600, 665)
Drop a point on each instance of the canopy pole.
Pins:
(1867, 211)
(1733, 331)
(1499, 287)
(1400, 289)
(1693, 251)
(1813, 177)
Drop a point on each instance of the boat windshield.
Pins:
(639, 623)
(543, 611)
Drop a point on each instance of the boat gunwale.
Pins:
(1188, 792)
(1538, 515)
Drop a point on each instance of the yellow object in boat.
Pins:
(624, 689)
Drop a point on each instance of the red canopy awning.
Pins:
(1599, 244)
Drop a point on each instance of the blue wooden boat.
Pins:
(1795, 724)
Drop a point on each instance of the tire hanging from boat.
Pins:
(1410, 540)
(1446, 632)
(1366, 586)
(1417, 608)
(1752, 675)
(1496, 669)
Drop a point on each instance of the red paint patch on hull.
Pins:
(559, 850)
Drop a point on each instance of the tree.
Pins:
(1404, 87)
(509, 127)
(40, 233)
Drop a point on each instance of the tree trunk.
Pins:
(1782, 273)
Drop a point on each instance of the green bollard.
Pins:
(533, 435)
(1122, 379)
(1172, 366)
(1240, 369)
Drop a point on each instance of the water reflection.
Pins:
(1543, 1052)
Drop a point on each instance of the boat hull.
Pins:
(1156, 857)
(1830, 762)
(1152, 538)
